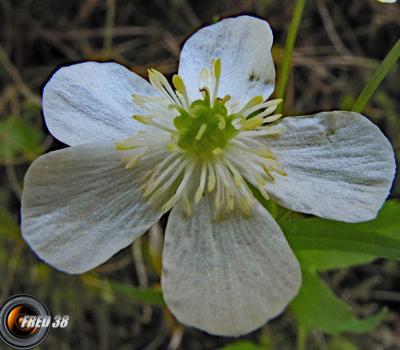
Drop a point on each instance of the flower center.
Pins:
(204, 129)
(208, 145)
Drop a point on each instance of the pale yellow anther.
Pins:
(263, 192)
(138, 100)
(272, 118)
(260, 180)
(225, 99)
(252, 123)
(204, 78)
(279, 170)
(211, 183)
(186, 205)
(274, 102)
(163, 80)
(275, 129)
(211, 178)
(267, 173)
(133, 161)
(123, 147)
(217, 68)
(230, 200)
(179, 84)
(126, 144)
(144, 119)
(216, 74)
(148, 120)
(252, 102)
(237, 178)
(167, 206)
(154, 78)
(265, 153)
(217, 202)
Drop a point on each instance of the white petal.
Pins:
(244, 45)
(227, 278)
(340, 166)
(80, 206)
(91, 101)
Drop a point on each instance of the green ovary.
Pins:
(204, 129)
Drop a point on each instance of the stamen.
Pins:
(270, 105)
(188, 173)
(268, 130)
(256, 100)
(161, 83)
(126, 144)
(272, 118)
(200, 190)
(252, 123)
(148, 120)
(216, 72)
(133, 161)
(204, 81)
(160, 192)
(211, 177)
(152, 185)
(186, 204)
(181, 88)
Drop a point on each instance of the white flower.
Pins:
(195, 148)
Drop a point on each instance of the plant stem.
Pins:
(284, 69)
(109, 26)
(383, 69)
(301, 338)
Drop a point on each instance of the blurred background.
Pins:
(118, 305)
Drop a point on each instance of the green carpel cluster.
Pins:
(204, 129)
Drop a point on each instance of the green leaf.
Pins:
(150, 296)
(383, 69)
(387, 222)
(242, 345)
(379, 237)
(325, 260)
(316, 307)
(340, 343)
(8, 226)
(284, 69)
(18, 137)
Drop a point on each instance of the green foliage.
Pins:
(317, 260)
(8, 226)
(242, 345)
(383, 69)
(284, 69)
(377, 238)
(18, 137)
(316, 307)
(322, 245)
(340, 343)
(387, 222)
(148, 296)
